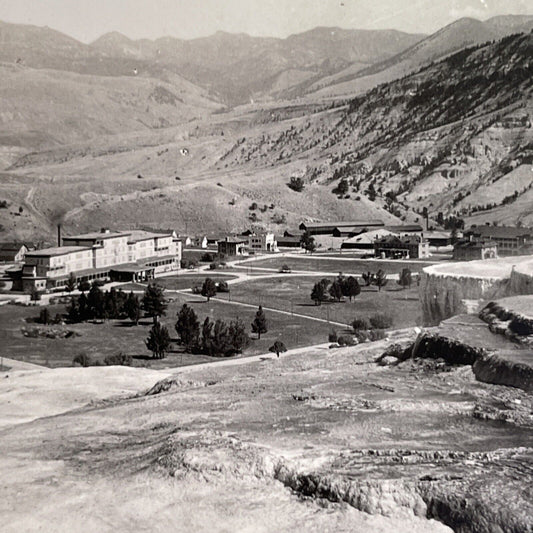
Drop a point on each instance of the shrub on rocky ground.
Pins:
(521, 326)
(346, 340)
(376, 334)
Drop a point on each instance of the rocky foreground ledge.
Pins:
(326, 440)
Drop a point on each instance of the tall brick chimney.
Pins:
(59, 234)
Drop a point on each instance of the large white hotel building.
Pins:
(116, 256)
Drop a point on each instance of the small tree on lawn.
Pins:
(209, 288)
(154, 303)
(405, 279)
(318, 294)
(335, 290)
(158, 341)
(277, 348)
(132, 308)
(308, 242)
(239, 338)
(207, 334)
(71, 283)
(380, 279)
(350, 287)
(44, 316)
(221, 339)
(96, 302)
(188, 327)
(368, 278)
(259, 325)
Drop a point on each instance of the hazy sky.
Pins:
(88, 19)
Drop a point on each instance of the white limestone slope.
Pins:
(449, 289)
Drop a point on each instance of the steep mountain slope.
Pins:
(461, 33)
(433, 138)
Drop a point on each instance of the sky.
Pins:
(87, 20)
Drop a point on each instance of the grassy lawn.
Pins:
(115, 336)
(293, 293)
(351, 266)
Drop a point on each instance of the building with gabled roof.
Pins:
(407, 247)
(327, 228)
(510, 240)
(366, 240)
(14, 252)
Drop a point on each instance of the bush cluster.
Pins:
(215, 338)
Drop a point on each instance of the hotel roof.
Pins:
(141, 235)
(96, 235)
(56, 251)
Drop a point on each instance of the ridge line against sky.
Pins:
(86, 20)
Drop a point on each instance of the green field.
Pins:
(115, 336)
(346, 266)
(292, 293)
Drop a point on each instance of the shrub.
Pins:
(360, 324)
(346, 340)
(333, 337)
(381, 321)
(120, 359)
(84, 286)
(362, 335)
(296, 184)
(213, 265)
(222, 286)
(521, 326)
(82, 359)
(207, 257)
(376, 334)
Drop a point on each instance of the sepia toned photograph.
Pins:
(266, 266)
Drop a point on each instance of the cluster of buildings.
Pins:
(412, 241)
(139, 255)
(105, 255)
(408, 241)
(488, 242)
